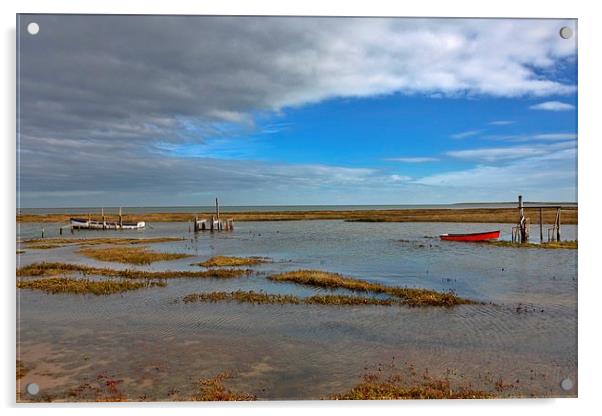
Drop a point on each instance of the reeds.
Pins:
(409, 296)
(222, 261)
(130, 255)
(267, 298)
(49, 243)
(375, 387)
(213, 390)
(56, 285)
(61, 269)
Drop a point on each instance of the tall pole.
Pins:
(540, 225)
(217, 208)
(558, 227)
(521, 219)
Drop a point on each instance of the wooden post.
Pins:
(42, 232)
(102, 214)
(522, 222)
(558, 225)
(196, 224)
(217, 208)
(120, 219)
(540, 224)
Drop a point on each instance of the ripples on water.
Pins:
(310, 351)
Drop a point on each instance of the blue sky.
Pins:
(374, 132)
(261, 111)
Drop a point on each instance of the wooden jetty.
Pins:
(214, 223)
(521, 231)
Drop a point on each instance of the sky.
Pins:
(178, 110)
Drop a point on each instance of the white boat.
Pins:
(85, 224)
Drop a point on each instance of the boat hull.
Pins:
(82, 224)
(489, 235)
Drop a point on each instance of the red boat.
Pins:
(489, 235)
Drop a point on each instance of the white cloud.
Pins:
(551, 176)
(556, 136)
(553, 106)
(465, 134)
(495, 154)
(413, 159)
(501, 122)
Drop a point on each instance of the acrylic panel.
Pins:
(295, 208)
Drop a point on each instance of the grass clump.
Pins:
(102, 389)
(375, 387)
(58, 269)
(56, 285)
(550, 245)
(409, 296)
(221, 261)
(346, 300)
(49, 243)
(130, 255)
(241, 297)
(213, 390)
(266, 298)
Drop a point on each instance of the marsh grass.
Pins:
(552, 245)
(130, 255)
(409, 296)
(54, 285)
(61, 269)
(212, 389)
(241, 297)
(102, 389)
(21, 370)
(266, 298)
(49, 243)
(471, 215)
(374, 386)
(222, 261)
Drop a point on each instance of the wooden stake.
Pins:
(558, 229)
(540, 225)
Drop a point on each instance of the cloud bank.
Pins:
(98, 94)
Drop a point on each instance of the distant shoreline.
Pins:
(468, 215)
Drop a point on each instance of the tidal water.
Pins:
(525, 332)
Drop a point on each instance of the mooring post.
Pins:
(217, 208)
(521, 221)
(120, 219)
(102, 214)
(42, 232)
(196, 224)
(558, 225)
(540, 224)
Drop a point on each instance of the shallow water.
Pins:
(525, 331)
